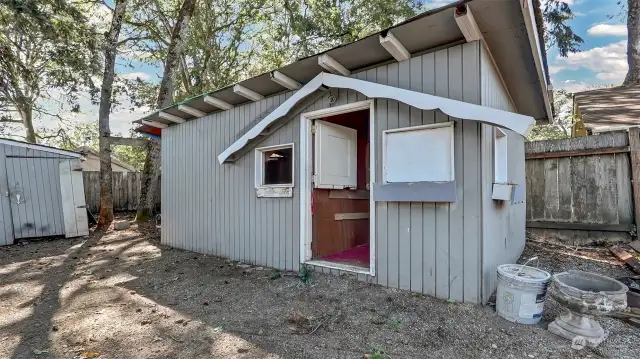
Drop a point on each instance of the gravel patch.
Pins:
(123, 295)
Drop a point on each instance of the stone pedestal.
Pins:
(571, 325)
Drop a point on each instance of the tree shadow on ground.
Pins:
(47, 303)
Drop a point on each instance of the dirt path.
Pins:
(123, 295)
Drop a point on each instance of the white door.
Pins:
(74, 207)
(335, 156)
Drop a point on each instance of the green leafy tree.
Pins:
(48, 50)
(71, 136)
(562, 122)
(314, 26)
(555, 15)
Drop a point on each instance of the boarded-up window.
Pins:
(419, 154)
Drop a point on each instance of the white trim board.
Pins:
(306, 187)
(33, 146)
(465, 111)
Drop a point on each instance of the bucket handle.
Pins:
(527, 262)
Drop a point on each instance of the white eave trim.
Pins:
(154, 124)
(217, 103)
(532, 31)
(170, 117)
(33, 146)
(191, 111)
(466, 111)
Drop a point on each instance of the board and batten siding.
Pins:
(26, 170)
(428, 248)
(503, 222)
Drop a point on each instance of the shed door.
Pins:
(34, 196)
(74, 207)
(335, 156)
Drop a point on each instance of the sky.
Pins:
(602, 61)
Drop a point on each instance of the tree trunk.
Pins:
(26, 115)
(106, 174)
(165, 97)
(633, 43)
(149, 181)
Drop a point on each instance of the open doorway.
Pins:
(339, 209)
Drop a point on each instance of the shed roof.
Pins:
(86, 150)
(35, 146)
(609, 108)
(508, 28)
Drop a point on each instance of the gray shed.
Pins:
(42, 192)
(398, 158)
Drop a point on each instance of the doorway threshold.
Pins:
(339, 266)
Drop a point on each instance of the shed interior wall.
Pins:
(431, 248)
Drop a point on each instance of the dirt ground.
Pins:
(123, 295)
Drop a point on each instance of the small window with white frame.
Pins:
(500, 154)
(419, 154)
(274, 170)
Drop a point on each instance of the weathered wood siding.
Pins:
(503, 223)
(37, 173)
(594, 189)
(126, 191)
(423, 247)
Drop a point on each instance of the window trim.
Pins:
(504, 147)
(432, 126)
(259, 165)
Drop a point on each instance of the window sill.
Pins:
(276, 191)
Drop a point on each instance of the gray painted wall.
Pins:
(503, 223)
(423, 247)
(35, 175)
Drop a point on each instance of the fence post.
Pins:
(634, 154)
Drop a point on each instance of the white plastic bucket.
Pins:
(522, 291)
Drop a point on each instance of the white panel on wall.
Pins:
(335, 157)
(419, 154)
(73, 204)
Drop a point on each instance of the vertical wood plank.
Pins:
(382, 253)
(634, 146)
(392, 207)
(623, 189)
(404, 208)
(456, 220)
(428, 209)
(442, 210)
(472, 174)
(295, 255)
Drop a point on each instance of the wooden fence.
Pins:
(580, 190)
(126, 191)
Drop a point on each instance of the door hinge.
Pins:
(313, 179)
(313, 129)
